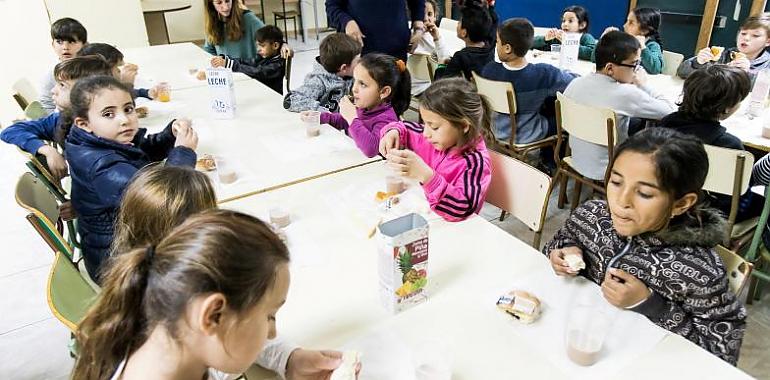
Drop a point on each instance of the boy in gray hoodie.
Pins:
(330, 79)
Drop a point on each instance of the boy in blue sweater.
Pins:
(535, 84)
(31, 135)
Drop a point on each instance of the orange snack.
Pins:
(737, 55)
(716, 51)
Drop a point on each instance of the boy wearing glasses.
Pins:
(617, 84)
(535, 86)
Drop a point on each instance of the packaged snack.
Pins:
(206, 163)
(716, 51)
(575, 262)
(521, 305)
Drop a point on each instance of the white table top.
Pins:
(333, 298)
(150, 6)
(267, 143)
(171, 63)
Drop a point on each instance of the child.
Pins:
(330, 79)
(31, 136)
(448, 154)
(650, 245)
(126, 72)
(430, 44)
(617, 84)
(760, 175)
(269, 67)
(472, 29)
(532, 83)
(105, 150)
(752, 41)
(68, 37)
(644, 23)
(200, 304)
(380, 93)
(574, 19)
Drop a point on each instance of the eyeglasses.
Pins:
(635, 66)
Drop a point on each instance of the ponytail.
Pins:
(389, 71)
(115, 324)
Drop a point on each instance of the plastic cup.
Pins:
(587, 328)
(312, 120)
(555, 51)
(279, 217)
(225, 171)
(164, 92)
(394, 184)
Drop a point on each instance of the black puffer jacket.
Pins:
(690, 293)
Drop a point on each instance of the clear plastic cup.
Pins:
(312, 120)
(555, 51)
(225, 171)
(164, 92)
(587, 328)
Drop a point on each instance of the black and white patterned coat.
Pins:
(690, 294)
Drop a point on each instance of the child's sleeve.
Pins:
(565, 236)
(160, 146)
(409, 134)
(141, 93)
(30, 135)
(452, 69)
(335, 119)
(711, 316)
(367, 139)
(539, 42)
(306, 97)
(648, 104)
(275, 355)
(252, 67)
(458, 200)
(688, 66)
(47, 84)
(587, 47)
(760, 175)
(652, 58)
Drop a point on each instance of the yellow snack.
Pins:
(716, 51)
(141, 112)
(736, 55)
(206, 163)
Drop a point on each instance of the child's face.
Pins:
(752, 41)
(223, 7)
(111, 116)
(66, 49)
(61, 93)
(440, 132)
(625, 72)
(430, 13)
(570, 23)
(247, 336)
(366, 92)
(632, 26)
(267, 48)
(461, 32)
(636, 202)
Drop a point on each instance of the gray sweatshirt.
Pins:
(47, 84)
(320, 91)
(689, 65)
(627, 100)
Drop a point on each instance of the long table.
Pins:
(333, 299)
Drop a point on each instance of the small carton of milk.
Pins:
(222, 90)
(403, 261)
(570, 47)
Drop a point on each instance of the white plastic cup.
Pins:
(225, 171)
(587, 328)
(312, 120)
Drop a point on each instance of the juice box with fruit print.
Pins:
(403, 261)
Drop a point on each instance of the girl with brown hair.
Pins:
(198, 305)
(231, 29)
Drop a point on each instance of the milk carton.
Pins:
(403, 262)
(222, 90)
(570, 47)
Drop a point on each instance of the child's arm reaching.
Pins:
(251, 67)
(30, 136)
(457, 200)
(334, 119)
(367, 137)
(177, 142)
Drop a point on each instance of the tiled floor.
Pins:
(33, 344)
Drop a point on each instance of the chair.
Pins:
(24, 92)
(35, 197)
(502, 99)
(34, 110)
(448, 24)
(758, 254)
(738, 269)
(421, 68)
(520, 190)
(671, 62)
(591, 124)
(292, 15)
(69, 294)
(253, 5)
(287, 75)
(722, 162)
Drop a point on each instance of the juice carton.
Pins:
(222, 90)
(403, 262)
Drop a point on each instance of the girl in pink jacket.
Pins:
(447, 155)
(381, 93)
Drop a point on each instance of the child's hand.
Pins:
(389, 142)
(179, 124)
(741, 63)
(560, 267)
(217, 61)
(185, 134)
(128, 73)
(312, 365)
(642, 41)
(352, 29)
(56, 163)
(559, 34)
(622, 289)
(433, 30)
(286, 51)
(640, 77)
(551, 34)
(67, 212)
(408, 164)
(153, 91)
(704, 55)
(609, 29)
(347, 109)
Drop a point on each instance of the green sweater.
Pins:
(246, 47)
(652, 57)
(587, 45)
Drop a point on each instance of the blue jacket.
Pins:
(101, 169)
(29, 134)
(384, 23)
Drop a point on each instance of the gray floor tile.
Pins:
(37, 351)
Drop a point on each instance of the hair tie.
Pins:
(150, 254)
(400, 65)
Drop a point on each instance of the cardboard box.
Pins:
(403, 262)
(222, 90)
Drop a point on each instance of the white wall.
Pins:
(118, 22)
